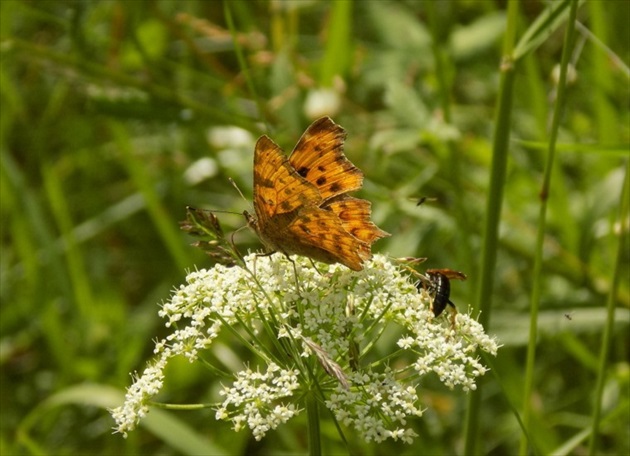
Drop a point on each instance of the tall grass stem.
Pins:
(493, 210)
(622, 255)
(542, 225)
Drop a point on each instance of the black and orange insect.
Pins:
(438, 283)
(440, 287)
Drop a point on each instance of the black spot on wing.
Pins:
(262, 181)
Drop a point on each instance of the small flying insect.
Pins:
(438, 284)
(422, 199)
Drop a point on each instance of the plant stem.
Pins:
(622, 251)
(542, 227)
(314, 434)
(493, 210)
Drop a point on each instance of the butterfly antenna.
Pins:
(224, 212)
(238, 189)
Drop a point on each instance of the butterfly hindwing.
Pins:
(327, 240)
(354, 215)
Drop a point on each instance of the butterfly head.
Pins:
(252, 223)
(251, 220)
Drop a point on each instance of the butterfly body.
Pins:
(302, 204)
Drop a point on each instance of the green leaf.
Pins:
(160, 423)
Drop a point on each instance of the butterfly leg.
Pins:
(297, 281)
(315, 267)
(295, 273)
(261, 255)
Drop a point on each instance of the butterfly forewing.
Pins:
(318, 157)
(278, 189)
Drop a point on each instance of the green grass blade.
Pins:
(165, 224)
(493, 212)
(538, 277)
(622, 256)
(542, 27)
(338, 45)
(173, 431)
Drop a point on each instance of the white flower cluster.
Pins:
(138, 395)
(335, 313)
(375, 401)
(254, 397)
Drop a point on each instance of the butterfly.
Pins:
(302, 204)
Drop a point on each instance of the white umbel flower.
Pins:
(323, 325)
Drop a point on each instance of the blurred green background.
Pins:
(116, 115)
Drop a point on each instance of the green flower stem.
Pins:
(314, 433)
(75, 262)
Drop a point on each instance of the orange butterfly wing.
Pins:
(301, 203)
(279, 192)
(318, 157)
(355, 214)
(327, 240)
(278, 189)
